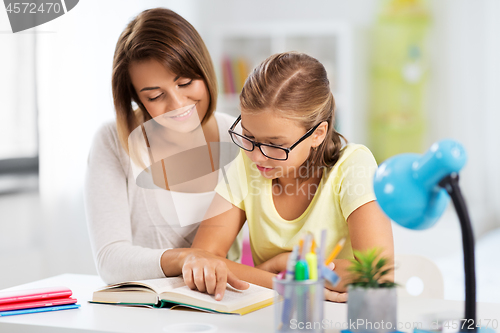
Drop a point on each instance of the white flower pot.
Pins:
(372, 310)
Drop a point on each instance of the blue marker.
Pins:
(330, 275)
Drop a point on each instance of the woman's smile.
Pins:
(185, 115)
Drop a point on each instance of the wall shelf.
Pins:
(236, 49)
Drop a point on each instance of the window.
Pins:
(18, 108)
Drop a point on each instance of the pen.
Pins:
(321, 252)
(307, 246)
(313, 244)
(290, 264)
(328, 274)
(301, 246)
(335, 251)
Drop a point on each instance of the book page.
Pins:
(156, 285)
(164, 284)
(233, 298)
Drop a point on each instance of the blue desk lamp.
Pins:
(414, 190)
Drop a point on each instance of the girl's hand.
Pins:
(332, 295)
(335, 296)
(206, 272)
(276, 264)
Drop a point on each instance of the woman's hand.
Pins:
(208, 273)
(276, 264)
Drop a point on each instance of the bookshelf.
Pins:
(237, 49)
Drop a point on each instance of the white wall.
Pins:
(463, 102)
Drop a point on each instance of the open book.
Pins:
(173, 292)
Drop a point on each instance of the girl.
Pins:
(292, 177)
(141, 209)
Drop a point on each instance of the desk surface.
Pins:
(109, 318)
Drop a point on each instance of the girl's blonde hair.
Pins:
(296, 86)
(165, 36)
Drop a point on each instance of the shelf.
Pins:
(237, 49)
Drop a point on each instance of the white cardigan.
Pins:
(129, 228)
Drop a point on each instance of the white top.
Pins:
(130, 226)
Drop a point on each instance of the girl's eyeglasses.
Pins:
(268, 150)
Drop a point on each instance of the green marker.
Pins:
(301, 271)
(301, 274)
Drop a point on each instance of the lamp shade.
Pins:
(407, 185)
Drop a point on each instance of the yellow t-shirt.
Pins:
(344, 188)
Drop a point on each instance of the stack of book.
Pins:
(36, 300)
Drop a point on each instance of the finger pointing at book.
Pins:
(206, 272)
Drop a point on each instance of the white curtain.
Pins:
(464, 105)
(18, 114)
(492, 109)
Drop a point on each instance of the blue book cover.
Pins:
(42, 309)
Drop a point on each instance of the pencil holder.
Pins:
(298, 305)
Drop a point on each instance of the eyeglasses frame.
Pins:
(259, 144)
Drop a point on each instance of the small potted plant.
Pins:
(372, 300)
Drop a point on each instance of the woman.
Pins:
(151, 175)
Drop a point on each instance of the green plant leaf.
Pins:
(381, 263)
(385, 272)
(367, 271)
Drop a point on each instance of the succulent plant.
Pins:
(370, 270)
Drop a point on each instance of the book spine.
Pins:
(236, 75)
(228, 76)
(243, 71)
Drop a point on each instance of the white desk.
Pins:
(109, 318)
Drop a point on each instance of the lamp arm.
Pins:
(450, 184)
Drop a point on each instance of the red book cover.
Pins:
(39, 294)
(228, 76)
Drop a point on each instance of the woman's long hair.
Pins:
(162, 35)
